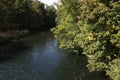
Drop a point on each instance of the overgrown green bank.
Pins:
(94, 27)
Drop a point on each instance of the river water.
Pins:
(43, 60)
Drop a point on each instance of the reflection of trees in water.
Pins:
(73, 67)
(10, 50)
(15, 48)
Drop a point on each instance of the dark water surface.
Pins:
(43, 60)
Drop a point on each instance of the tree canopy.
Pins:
(25, 14)
(93, 27)
(20, 17)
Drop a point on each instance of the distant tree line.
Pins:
(91, 27)
(26, 14)
(20, 17)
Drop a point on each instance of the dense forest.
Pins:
(21, 17)
(91, 27)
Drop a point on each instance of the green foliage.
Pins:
(67, 29)
(114, 69)
(50, 13)
(94, 27)
(25, 14)
(20, 17)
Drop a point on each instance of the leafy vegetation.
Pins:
(19, 17)
(94, 27)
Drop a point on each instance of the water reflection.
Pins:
(73, 67)
(43, 60)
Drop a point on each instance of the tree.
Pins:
(25, 14)
(94, 27)
(6, 11)
(50, 16)
(67, 28)
(19, 17)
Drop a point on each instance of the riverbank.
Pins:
(12, 36)
(13, 41)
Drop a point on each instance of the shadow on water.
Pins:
(73, 67)
(43, 60)
(7, 51)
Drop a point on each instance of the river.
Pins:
(43, 60)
